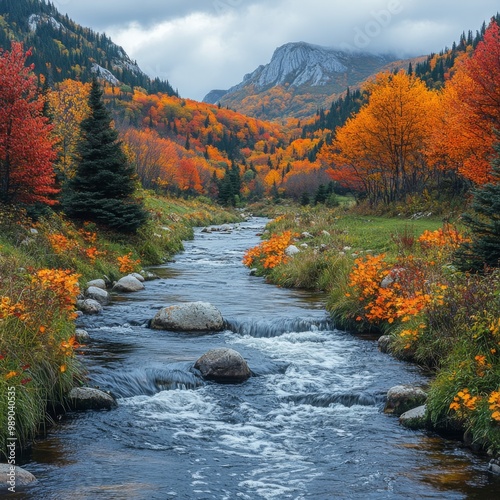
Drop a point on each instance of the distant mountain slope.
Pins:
(300, 78)
(63, 49)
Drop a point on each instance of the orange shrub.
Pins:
(400, 299)
(127, 264)
(270, 253)
(61, 243)
(442, 237)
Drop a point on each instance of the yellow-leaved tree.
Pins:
(68, 104)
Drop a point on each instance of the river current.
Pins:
(308, 425)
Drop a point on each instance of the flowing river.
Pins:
(308, 425)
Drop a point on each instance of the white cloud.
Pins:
(205, 44)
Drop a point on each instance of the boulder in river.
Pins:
(402, 398)
(88, 398)
(15, 477)
(89, 306)
(128, 284)
(384, 343)
(494, 466)
(415, 418)
(225, 366)
(98, 294)
(189, 317)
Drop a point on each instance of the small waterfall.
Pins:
(148, 381)
(276, 327)
(345, 399)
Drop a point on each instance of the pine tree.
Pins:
(104, 183)
(484, 249)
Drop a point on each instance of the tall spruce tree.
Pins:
(104, 183)
(484, 223)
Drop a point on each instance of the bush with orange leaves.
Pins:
(37, 345)
(270, 253)
(127, 263)
(387, 293)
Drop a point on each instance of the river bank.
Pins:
(394, 276)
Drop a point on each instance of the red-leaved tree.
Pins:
(26, 147)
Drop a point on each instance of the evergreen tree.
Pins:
(226, 190)
(484, 249)
(103, 186)
(304, 199)
(320, 195)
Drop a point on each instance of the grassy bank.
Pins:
(43, 267)
(393, 276)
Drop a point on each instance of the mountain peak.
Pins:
(314, 72)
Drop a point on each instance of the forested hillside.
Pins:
(62, 49)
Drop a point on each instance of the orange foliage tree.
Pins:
(381, 149)
(470, 111)
(26, 148)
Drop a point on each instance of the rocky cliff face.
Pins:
(304, 66)
(299, 64)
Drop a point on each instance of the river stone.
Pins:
(97, 294)
(402, 398)
(225, 366)
(149, 276)
(494, 466)
(19, 475)
(128, 284)
(82, 335)
(89, 306)
(415, 418)
(100, 283)
(87, 398)
(189, 317)
(138, 276)
(384, 343)
(292, 250)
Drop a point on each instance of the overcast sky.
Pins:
(200, 45)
